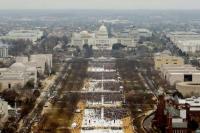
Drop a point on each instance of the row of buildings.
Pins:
(185, 77)
(179, 113)
(188, 42)
(25, 69)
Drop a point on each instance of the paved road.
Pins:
(27, 122)
(147, 124)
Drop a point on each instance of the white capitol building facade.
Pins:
(99, 39)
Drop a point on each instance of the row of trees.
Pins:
(48, 43)
(25, 47)
(18, 47)
(65, 104)
(87, 50)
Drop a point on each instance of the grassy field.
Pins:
(60, 116)
(137, 99)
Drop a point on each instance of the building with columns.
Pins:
(99, 39)
(3, 50)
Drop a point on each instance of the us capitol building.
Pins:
(99, 39)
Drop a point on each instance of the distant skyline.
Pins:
(99, 4)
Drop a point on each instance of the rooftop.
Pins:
(193, 102)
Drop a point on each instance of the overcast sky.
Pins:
(99, 4)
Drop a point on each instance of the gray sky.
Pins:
(99, 4)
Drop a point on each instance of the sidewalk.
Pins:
(128, 125)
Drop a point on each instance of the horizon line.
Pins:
(102, 9)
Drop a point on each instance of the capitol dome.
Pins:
(102, 32)
(103, 29)
(18, 67)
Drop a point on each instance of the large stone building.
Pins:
(188, 42)
(17, 74)
(144, 33)
(42, 62)
(139, 33)
(32, 35)
(163, 59)
(189, 46)
(24, 70)
(188, 88)
(180, 73)
(99, 39)
(183, 36)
